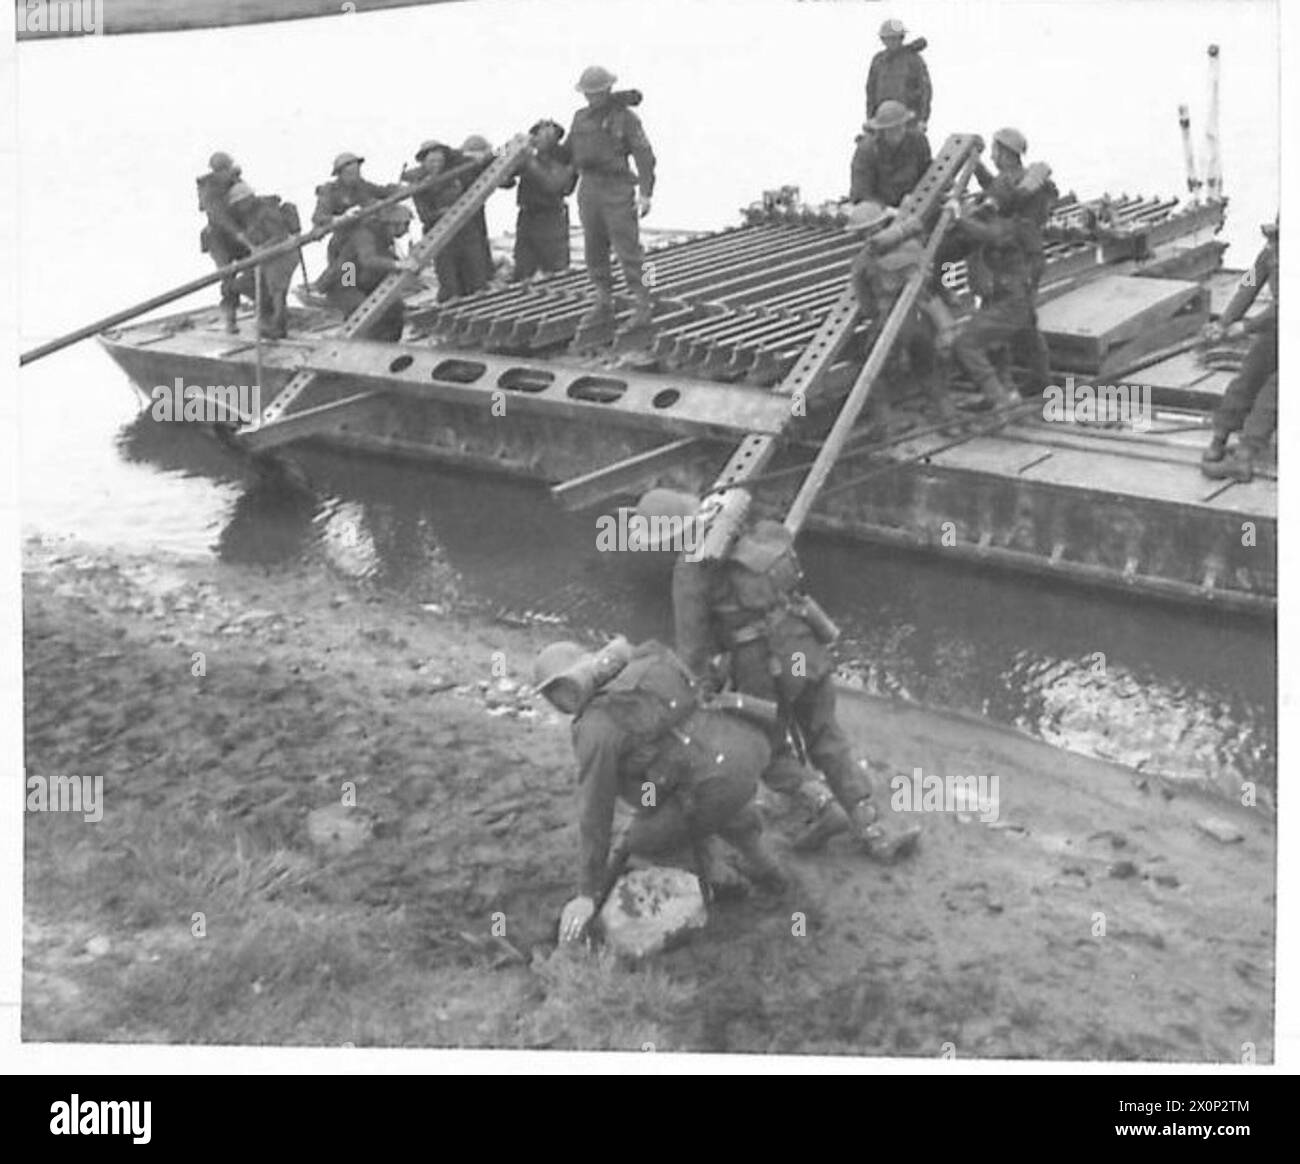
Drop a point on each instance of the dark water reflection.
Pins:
(1187, 693)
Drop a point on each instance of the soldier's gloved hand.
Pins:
(642, 205)
(408, 266)
(574, 918)
(1212, 333)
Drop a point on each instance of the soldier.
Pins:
(464, 264)
(998, 261)
(610, 196)
(365, 258)
(1026, 194)
(898, 73)
(639, 733)
(222, 237)
(890, 158)
(265, 222)
(749, 606)
(547, 179)
(929, 331)
(347, 188)
(1249, 406)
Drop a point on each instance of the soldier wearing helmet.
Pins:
(611, 197)
(365, 257)
(641, 734)
(266, 221)
(222, 237)
(890, 157)
(345, 189)
(1026, 195)
(547, 179)
(744, 602)
(898, 73)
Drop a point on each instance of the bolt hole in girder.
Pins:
(401, 363)
(459, 371)
(666, 399)
(596, 389)
(526, 380)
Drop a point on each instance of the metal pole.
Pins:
(1189, 158)
(1213, 163)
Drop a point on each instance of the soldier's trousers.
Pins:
(1249, 405)
(462, 266)
(996, 323)
(607, 209)
(224, 251)
(541, 241)
(276, 276)
(721, 805)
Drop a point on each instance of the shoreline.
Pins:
(127, 17)
(376, 923)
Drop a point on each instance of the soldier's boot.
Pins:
(1239, 465)
(769, 874)
(829, 819)
(1216, 449)
(229, 310)
(600, 313)
(882, 844)
(642, 313)
(720, 878)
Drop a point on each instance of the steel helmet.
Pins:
(865, 215)
(427, 147)
(668, 503)
(595, 79)
(238, 192)
(892, 27)
(554, 661)
(343, 159)
(1012, 139)
(396, 215)
(670, 513)
(221, 161)
(476, 143)
(890, 115)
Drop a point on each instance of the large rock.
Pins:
(650, 909)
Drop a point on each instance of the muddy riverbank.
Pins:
(333, 815)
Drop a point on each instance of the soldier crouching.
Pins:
(641, 733)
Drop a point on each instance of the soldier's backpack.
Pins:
(763, 570)
(653, 695)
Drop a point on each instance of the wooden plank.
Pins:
(1113, 307)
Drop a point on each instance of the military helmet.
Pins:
(546, 122)
(397, 214)
(595, 79)
(344, 159)
(476, 143)
(1270, 229)
(668, 503)
(890, 115)
(892, 27)
(221, 161)
(239, 192)
(554, 661)
(865, 215)
(427, 147)
(1012, 139)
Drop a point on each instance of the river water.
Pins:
(740, 97)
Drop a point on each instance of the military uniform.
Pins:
(542, 228)
(1001, 274)
(899, 75)
(365, 257)
(1249, 405)
(265, 222)
(1031, 209)
(884, 173)
(689, 773)
(601, 139)
(464, 264)
(220, 237)
(750, 608)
